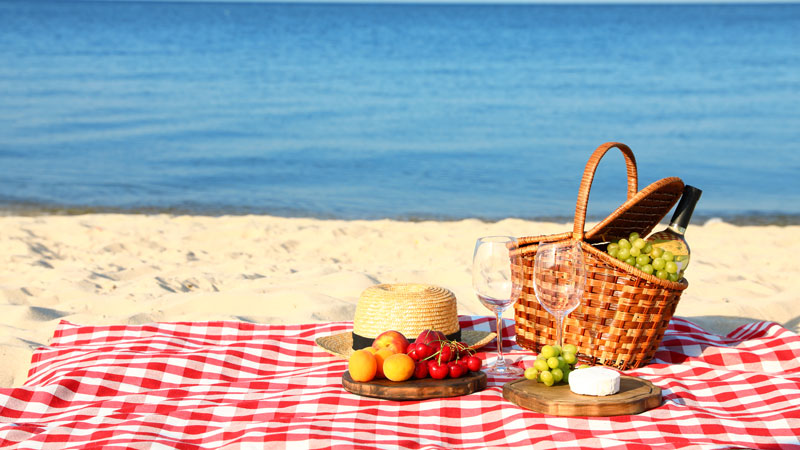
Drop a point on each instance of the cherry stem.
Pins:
(455, 346)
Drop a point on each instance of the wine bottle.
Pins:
(674, 250)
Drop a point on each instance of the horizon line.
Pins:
(478, 2)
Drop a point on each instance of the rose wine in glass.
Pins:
(559, 278)
(491, 278)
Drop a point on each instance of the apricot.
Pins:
(380, 358)
(362, 366)
(399, 367)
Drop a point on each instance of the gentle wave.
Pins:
(401, 111)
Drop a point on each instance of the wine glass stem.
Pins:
(501, 361)
(560, 331)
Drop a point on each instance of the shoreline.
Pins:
(136, 268)
(35, 210)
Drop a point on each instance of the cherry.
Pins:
(423, 351)
(474, 363)
(445, 353)
(411, 351)
(456, 370)
(464, 350)
(421, 370)
(438, 371)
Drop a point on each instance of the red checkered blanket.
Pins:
(243, 385)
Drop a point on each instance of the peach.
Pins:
(428, 336)
(393, 340)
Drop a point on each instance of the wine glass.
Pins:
(559, 278)
(491, 278)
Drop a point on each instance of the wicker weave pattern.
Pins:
(624, 312)
(407, 308)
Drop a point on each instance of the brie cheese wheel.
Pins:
(595, 380)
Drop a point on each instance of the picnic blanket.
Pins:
(244, 385)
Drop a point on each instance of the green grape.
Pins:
(548, 351)
(639, 266)
(570, 348)
(674, 277)
(624, 243)
(612, 246)
(656, 252)
(623, 253)
(647, 268)
(635, 251)
(668, 255)
(531, 373)
(562, 363)
(566, 376)
(552, 362)
(671, 267)
(547, 378)
(570, 357)
(558, 375)
(557, 349)
(662, 274)
(583, 366)
(613, 253)
(659, 263)
(639, 243)
(647, 248)
(642, 259)
(541, 365)
(633, 236)
(631, 261)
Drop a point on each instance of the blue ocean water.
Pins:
(402, 111)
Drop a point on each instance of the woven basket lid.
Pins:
(640, 213)
(407, 308)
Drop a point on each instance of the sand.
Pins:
(133, 269)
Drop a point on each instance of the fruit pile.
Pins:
(640, 253)
(431, 355)
(553, 365)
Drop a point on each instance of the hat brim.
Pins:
(341, 344)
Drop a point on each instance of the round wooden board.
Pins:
(416, 389)
(635, 395)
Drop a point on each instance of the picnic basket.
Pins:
(624, 312)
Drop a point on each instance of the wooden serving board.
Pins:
(635, 395)
(416, 389)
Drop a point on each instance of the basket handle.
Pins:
(588, 176)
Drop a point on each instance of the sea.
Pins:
(403, 111)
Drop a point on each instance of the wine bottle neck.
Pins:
(685, 208)
(677, 228)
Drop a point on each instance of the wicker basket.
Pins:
(624, 311)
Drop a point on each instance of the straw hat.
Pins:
(407, 308)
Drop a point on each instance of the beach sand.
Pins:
(133, 269)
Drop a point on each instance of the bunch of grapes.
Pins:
(553, 364)
(641, 254)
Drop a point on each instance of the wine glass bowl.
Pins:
(559, 279)
(495, 288)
